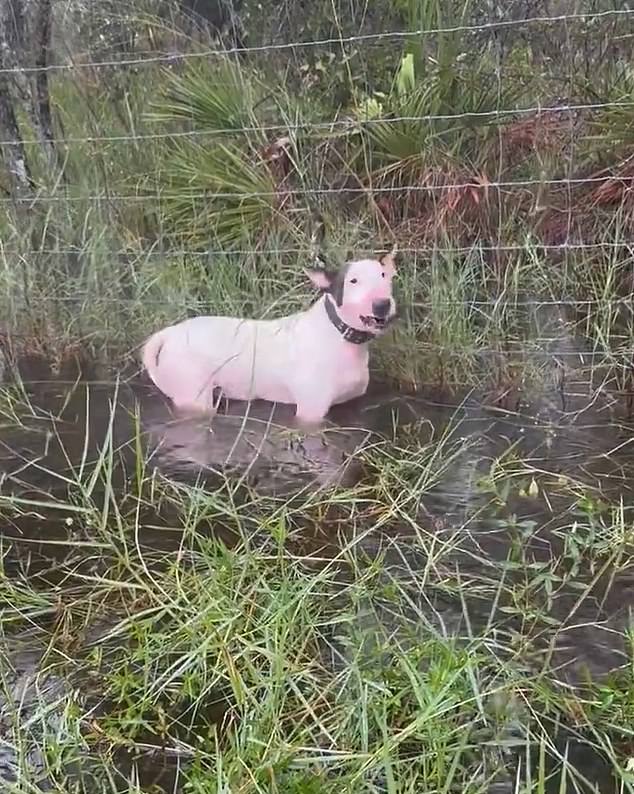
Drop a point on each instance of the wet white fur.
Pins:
(300, 359)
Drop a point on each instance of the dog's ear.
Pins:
(389, 260)
(323, 279)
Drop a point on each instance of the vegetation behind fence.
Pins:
(160, 160)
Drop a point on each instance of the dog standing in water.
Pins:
(313, 359)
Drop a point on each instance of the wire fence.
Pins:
(355, 121)
(347, 123)
(219, 52)
(529, 246)
(627, 182)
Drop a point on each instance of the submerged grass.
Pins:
(360, 640)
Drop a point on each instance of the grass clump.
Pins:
(192, 184)
(225, 179)
(369, 639)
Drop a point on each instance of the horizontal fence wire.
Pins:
(338, 41)
(509, 303)
(418, 393)
(536, 346)
(529, 247)
(506, 348)
(320, 126)
(483, 186)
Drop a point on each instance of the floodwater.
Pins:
(576, 435)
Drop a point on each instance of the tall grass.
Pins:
(100, 272)
(270, 661)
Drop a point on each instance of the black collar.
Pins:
(350, 334)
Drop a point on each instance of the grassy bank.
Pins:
(209, 638)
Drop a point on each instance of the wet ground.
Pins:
(564, 452)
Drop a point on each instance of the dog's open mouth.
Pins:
(378, 323)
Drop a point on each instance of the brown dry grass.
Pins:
(464, 205)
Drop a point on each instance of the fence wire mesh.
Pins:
(155, 166)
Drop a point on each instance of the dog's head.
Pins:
(362, 291)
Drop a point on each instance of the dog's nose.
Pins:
(381, 308)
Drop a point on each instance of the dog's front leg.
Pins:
(311, 412)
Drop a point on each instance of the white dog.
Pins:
(313, 359)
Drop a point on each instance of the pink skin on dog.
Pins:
(304, 358)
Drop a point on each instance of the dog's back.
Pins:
(246, 359)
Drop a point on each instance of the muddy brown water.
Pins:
(575, 435)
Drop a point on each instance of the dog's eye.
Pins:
(383, 274)
(354, 280)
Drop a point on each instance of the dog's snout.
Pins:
(381, 308)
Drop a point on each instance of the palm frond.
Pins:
(223, 98)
